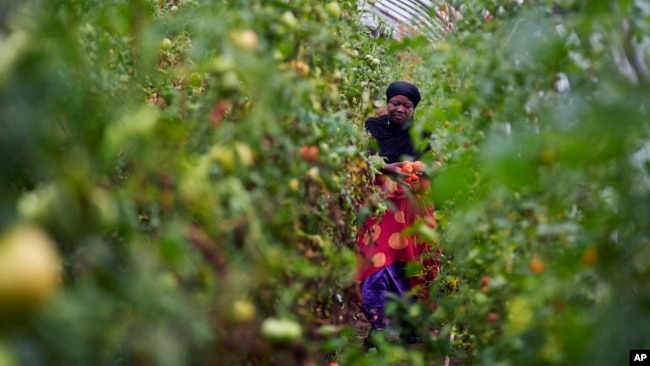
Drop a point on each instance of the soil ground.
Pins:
(355, 318)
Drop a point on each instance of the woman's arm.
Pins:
(394, 169)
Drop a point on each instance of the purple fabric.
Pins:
(391, 279)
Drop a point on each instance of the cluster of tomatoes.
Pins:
(414, 169)
(413, 178)
(309, 153)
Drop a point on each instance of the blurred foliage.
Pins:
(544, 192)
(199, 166)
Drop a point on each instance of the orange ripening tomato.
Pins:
(418, 166)
(537, 265)
(407, 167)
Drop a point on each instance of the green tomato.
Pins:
(166, 44)
(195, 80)
(289, 19)
(294, 184)
(230, 80)
(223, 63)
(244, 153)
(281, 330)
(243, 311)
(328, 330)
(246, 39)
(333, 9)
(224, 156)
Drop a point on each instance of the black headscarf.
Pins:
(403, 88)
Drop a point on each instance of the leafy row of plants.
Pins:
(544, 181)
(200, 166)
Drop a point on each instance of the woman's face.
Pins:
(400, 109)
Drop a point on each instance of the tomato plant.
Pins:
(200, 167)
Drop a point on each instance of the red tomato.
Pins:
(219, 110)
(407, 167)
(309, 153)
(493, 318)
(485, 280)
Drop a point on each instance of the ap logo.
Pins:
(639, 357)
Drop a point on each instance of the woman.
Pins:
(384, 249)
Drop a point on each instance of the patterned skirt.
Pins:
(391, 258)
